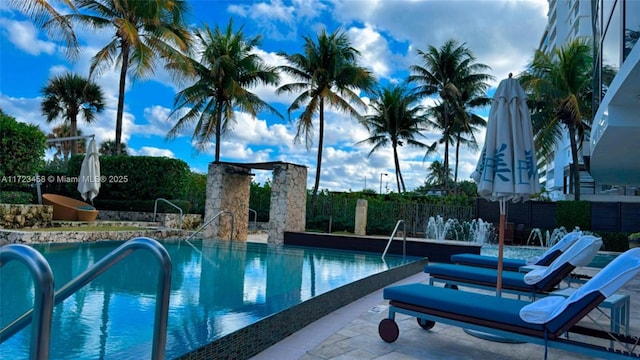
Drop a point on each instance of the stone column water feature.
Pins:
(288, 201)
(228, 189)
(361, 218)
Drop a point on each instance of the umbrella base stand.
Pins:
(491, 337)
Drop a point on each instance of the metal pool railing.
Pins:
(155, 209)
(42, 327)
(393, 234)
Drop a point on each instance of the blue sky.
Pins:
(501, 33)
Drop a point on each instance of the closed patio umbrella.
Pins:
(506, 169)
(89, 180)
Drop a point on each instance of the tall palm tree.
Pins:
(224, 72)
(108, 147)
(69, 96)
(466, 122)
(63, 148)
(143, 31)
(438, 174)
(560, 89)
(45, 15)
(448, 72)
(395, 120)
(325, 73)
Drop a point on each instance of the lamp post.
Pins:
(385, 174)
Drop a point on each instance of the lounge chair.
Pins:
(540, 280)
(66, 208)
(551, 321)
(515, 264)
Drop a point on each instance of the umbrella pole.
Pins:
(500, 247)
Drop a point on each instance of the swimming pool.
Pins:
(526, 252)
(217, 288)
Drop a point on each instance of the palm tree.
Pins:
(394, 121)
(69, 96)
(143, 31)
(108, 147)
(326, 73)
(438, 174)
(45, 15)
(449, 72)
(465, 122)
(226, 68)
(561, 92)
(63, 148)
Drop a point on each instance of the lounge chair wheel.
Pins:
(426, 324)
(388, 330)
(451, 286)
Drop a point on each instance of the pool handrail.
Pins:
(104, 264)
(43, 295)
(393, 234)
(155, 209)
(206, 223)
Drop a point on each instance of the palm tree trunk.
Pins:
(446, 148)
(455, 173)
(73, 130)
(218, 133)
(399, 179)
(121, 86)
(575, 170)
(314, 194)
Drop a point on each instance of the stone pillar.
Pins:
(288, 210)
(360, 227)
(228, 189)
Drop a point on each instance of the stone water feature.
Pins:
(475, 230)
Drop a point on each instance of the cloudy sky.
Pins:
(502, 34)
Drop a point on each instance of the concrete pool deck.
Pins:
(351, 332)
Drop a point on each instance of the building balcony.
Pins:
(615, 133)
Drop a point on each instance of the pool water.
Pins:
(523, 252)
(217, 288)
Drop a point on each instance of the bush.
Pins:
(196, 192)
(138, 177)
(21, 150)
(573, 213)
(15, 197)
(614, 241)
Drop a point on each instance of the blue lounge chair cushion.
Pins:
(474, 305)
(487, 261)
(85, 207)
(510, 279)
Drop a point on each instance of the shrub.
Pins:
(15, 197)
(21, 150)
(138, 177)
(573, 213)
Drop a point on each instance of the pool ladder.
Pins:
(45, 298)
(393, 235)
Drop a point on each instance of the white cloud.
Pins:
(24, 36)
(151, 151)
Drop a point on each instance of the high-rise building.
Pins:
(607, 164)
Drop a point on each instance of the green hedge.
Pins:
(573, 213)
(15, 197)
(21, 151)
(138, 177)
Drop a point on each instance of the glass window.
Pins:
(631, 26)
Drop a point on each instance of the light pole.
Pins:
(385, 174)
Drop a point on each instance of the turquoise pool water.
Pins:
(217, 289)
(522, 252)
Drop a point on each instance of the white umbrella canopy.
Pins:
(89, 181)
(506, 170)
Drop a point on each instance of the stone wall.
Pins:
(13, 216)
(38, 237)
(228, 190)
(288, 201)
(166, 220)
